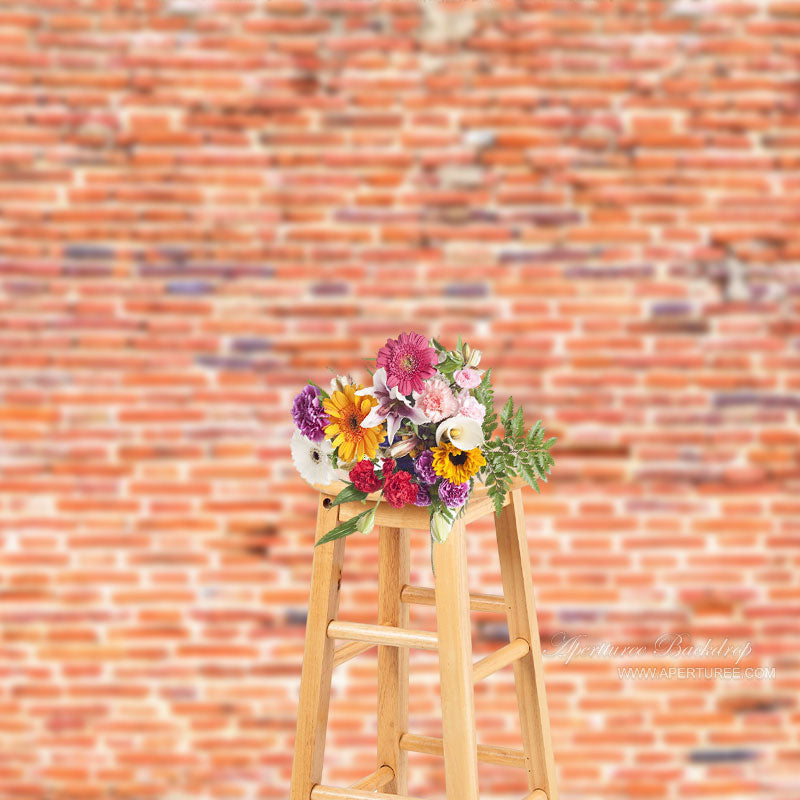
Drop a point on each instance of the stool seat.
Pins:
(413, 517)
(452, 641)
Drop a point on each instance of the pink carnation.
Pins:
(437, 400)
(467, 378)
(469, 407)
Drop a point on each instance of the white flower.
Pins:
(312, 460)
(463, 432)
(392, 406)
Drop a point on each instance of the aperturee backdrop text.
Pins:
(421, 434)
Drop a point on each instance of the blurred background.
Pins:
(203, 204)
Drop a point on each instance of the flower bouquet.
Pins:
(421, 434)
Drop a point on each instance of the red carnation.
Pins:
(399, 490)
(388, 467)
(364, 478)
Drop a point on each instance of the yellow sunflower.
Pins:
(456, 466)
(346, 411)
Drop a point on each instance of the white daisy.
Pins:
(312, 459)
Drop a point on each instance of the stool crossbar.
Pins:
(393, 637)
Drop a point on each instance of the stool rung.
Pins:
(382, 634)
(490, 754)
(343, 654)
(320, 792)
(422, 596)
(536, 794)
(375, 780)
(506, 655)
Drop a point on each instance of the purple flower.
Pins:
(454, 495)
(423, 498)
(308, 414)
(423, 466)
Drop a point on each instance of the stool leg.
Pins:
(393, 574)
(455, 666)
(315, 682)
(512, 544)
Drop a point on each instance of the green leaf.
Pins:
(484, 394)
(449, 366)
(348, 495)
(505, 414)
(343, 529)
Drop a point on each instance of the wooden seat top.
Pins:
(415, 517)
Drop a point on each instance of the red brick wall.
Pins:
(204, 203)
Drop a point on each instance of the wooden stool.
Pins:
(453, 601)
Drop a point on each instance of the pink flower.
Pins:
(437, 400)
(469, 407)
(467, 378)
(408, 360)
(392, 407)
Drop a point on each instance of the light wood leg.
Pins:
(455, 666)
(512, 544)
(393, 574)
(315, 682)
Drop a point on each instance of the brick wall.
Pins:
(204, 203)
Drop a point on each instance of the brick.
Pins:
(204, 208)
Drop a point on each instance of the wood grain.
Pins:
(379, 779)
(490, 754)
(332, 793)
(412, 517)
(382, 634)
(421, 595)
(315, 681)
(502, 657)
(393, 573)
(512, 544)
(455, 665)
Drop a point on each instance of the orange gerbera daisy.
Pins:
(346, 411)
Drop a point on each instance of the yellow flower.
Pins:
(456, 466)
(346, 411)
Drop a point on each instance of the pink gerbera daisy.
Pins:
(408, 360)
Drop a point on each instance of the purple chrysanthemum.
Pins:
(409, 360)
(309, 415)
(423, 498)
(423, 466)
(454, 495)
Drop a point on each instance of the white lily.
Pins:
(392, 407)
(463, 432)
